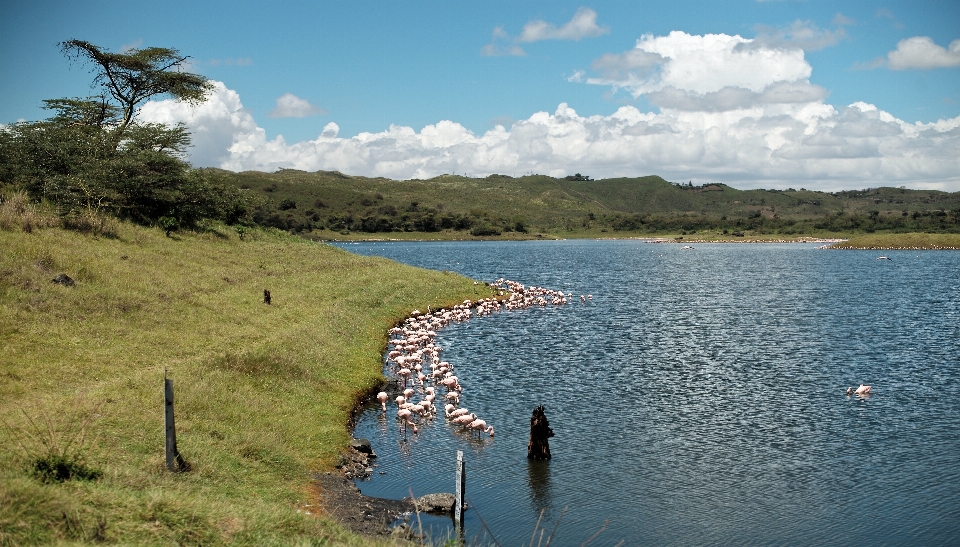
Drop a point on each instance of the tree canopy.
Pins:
(133, 77)
(94, 156)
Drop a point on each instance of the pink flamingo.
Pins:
(456, 413)
(481, 427)
(404, 415)
(382, 397)
(465, 419)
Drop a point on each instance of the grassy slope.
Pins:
(263, 393)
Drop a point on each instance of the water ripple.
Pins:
(698, 398)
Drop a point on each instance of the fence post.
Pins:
(461, 482)
(175, 461)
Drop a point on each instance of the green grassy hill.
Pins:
(330, 204)
(263, 393)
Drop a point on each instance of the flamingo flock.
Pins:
(415, 362)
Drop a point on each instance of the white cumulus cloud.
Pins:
(699, 64)
(582, 25)
(921, 52)
(779, 135)
(215, 125)
(291, 106)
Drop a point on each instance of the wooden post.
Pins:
(175, 461)
(461, 482)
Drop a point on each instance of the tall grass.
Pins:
(263, 394)
(18, 213)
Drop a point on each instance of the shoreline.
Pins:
(891, 242)
(337, 491)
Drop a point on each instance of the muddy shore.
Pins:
(340, 499)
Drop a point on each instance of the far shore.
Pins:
(875, 241)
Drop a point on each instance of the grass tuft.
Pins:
(60, 468)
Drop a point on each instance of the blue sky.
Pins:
(755, 94)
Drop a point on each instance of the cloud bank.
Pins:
(730, 111)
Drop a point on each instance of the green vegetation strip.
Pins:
(263, 392)
(332, 205)
(912, 241)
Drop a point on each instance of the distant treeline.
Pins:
(303, 202)
(938, 221)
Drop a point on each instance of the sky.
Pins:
(810, 94)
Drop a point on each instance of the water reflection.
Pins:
(538, 482)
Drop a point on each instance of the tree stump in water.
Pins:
(539, 447)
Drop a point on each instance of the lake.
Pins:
(698, 398)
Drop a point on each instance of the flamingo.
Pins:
(382, 397)
(427, 406)
(481, 427)
(404, 415)
(862, 390)
(465, 419)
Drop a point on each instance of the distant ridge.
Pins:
(299, 201)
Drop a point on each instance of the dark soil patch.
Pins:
(341, 499)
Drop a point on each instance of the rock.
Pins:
(63, 279)
(437, 503)
(363, 446)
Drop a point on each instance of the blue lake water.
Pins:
(699, 397)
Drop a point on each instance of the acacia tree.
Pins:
(133, 77)
(94, 155)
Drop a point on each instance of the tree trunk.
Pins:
(539, 447)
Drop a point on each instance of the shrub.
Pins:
(485, 230)
(56, 468)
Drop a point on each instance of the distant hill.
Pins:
(311, 203)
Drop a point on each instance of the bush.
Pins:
(56, 468)
(485, 230)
